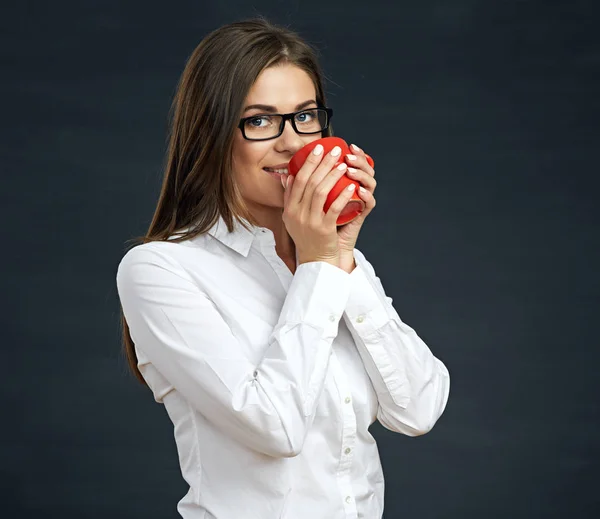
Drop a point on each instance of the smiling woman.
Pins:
(288, 90)
(266, 335)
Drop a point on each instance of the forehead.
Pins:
(283, 86)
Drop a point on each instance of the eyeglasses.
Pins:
(262, 127)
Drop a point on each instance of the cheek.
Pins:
(307, 139)
(247, 160)
(248, 156)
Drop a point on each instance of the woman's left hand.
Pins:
(359, 170)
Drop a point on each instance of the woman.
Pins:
(250, 315)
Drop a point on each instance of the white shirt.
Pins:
(271, 379)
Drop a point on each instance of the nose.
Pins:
(289, 140)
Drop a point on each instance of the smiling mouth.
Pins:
(280, 171)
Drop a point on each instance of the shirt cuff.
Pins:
(317, 296)
(366, 309)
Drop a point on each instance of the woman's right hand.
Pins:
(315, 232)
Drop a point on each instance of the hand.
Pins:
(360, 171)
(315, 232)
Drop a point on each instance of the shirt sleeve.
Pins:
(267, 407)
(411, 384)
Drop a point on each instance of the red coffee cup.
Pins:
(356, 205)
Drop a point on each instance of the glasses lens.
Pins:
(262, 126)
(311, 121)
(265, 126)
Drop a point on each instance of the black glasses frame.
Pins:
(284, 117)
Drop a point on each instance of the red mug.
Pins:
(355, 205)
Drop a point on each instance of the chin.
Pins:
(267, 203)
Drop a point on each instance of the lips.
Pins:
(279, 168)
(278, 171)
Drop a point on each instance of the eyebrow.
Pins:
(273, 109)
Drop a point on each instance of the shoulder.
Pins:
(157, 251)
(152, 259)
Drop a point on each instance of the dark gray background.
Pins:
(483, 120)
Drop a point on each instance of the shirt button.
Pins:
(347, 400)
(255, 374)
(360, 318)
(348, 450)
(332, 317)
(348, 499)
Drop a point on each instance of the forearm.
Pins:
(412, 385)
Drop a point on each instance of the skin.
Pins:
(286, 88)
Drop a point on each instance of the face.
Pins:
(285, 88)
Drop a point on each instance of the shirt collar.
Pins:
(240, 239)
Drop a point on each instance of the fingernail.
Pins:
(352, 170)
(351, 187)
(318, 149)
(335, 152)
(342, 166)
(287, 181)
(362, 190)
(355, 147)
(351, 157)
(283, 182)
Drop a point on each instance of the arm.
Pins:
(412, 385)
(268, 407)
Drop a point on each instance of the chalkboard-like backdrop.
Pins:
(483, 119)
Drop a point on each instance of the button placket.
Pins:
(344, 478)
(349, 418)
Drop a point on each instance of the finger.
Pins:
(338, 204)
(368, 198)
(323, 189)
(310, 165)
(357, 150)
(322, 171)
(369, 201)
(364, 178)
(359, 162)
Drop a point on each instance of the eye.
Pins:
(257, 122)
(304, 117)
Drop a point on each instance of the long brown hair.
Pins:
(198, 184)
